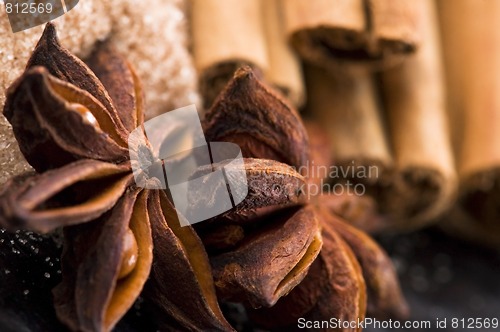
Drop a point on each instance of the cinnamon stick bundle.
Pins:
(472, 52)
(329, 32)
(424, 182)
(416, 179)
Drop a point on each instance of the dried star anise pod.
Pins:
(335, 285)
(72, 122)
(278, 237)
(349, 266)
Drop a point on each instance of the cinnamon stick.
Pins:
(472, 51)
(226, 34)
(329, 32)
(416, 181)
(283, 71)
(424, 181)
(394, 26)
(346, 104)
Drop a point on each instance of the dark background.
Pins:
(442, 277)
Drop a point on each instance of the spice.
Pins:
(333, 288)
(260, 121)
(284, 236)
(86, 179)
(409, 178)
(284, 70)
(117, 235)
(470, 47)
(329, 33)
(424, 183)
(226, 35)
(385, 299)
(334, 285)
(277, 258)
(255, 38)
(345, 102)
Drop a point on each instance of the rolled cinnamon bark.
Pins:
(283, 71)
(472, 52)
(327, 32)
(226, 34)
(424, 182)
(395, 26)
(346, 104)
(416, 180)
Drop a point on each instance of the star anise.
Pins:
(72, 122)
(350, 265)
